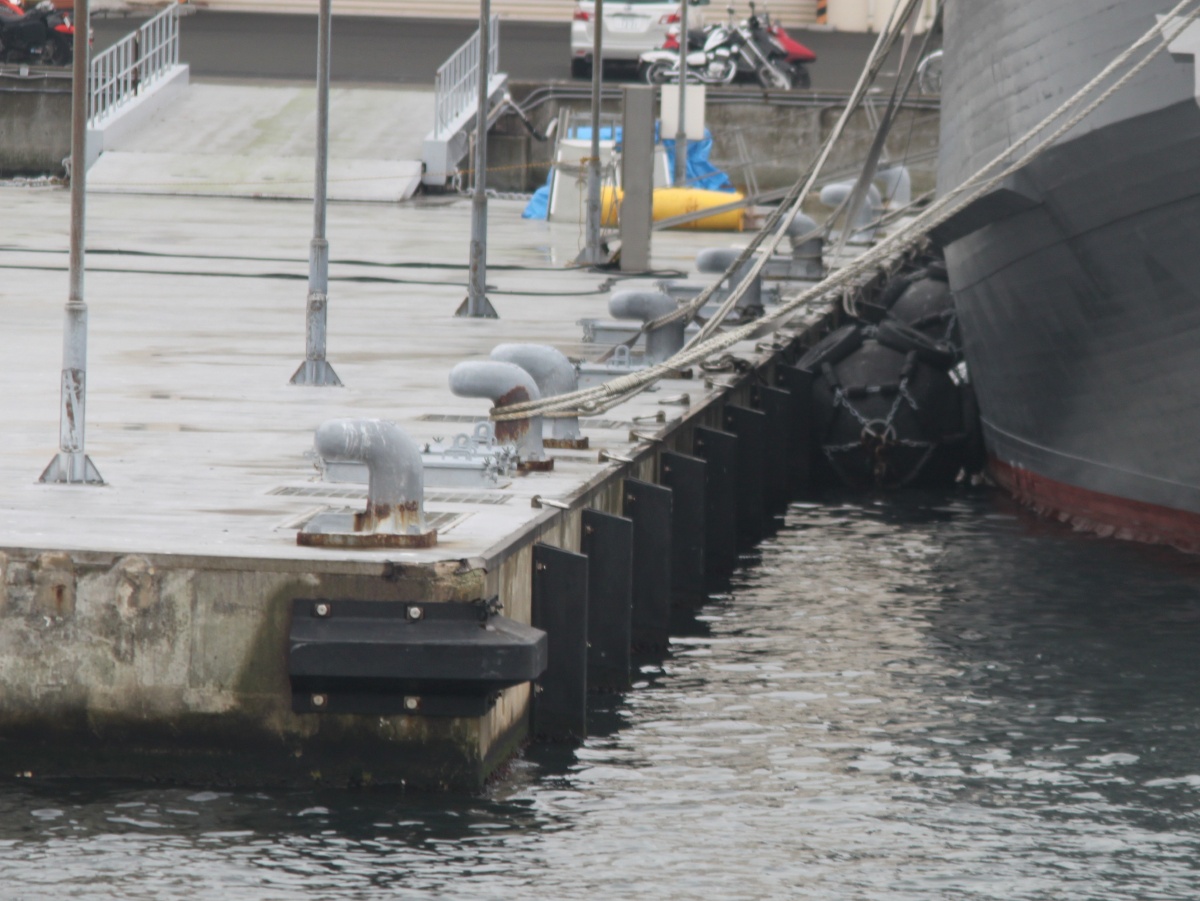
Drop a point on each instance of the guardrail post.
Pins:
(72, 465)
(315, 370)
(120, 72)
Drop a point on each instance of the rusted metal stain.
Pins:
(366, 539)
(401, 518)
(566, 443)
(73, 381)
(536, 465)
(511, 431)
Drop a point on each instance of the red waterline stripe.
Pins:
(1104, 514)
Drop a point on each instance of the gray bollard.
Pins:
(554, 375)
(808, 256)
(719, 259)
(860, 228)
(395, 514)
(505, 384)
(663, 342)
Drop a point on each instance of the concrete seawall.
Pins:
(774, 136)
(35, 123)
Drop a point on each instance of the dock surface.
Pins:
(196, 323)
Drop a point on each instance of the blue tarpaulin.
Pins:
(700, 172)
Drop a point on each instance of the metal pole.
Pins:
(591, 252)
(477, 304)
(315, 370)
(71, 465)
(681, 125)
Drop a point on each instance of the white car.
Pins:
(631, 27)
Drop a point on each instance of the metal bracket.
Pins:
(780, 410)
(649, 506)
(750, 426)
(686, 477)
(560, 608)
(607, 541)
(720, 451)
(800, 383)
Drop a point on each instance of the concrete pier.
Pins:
(144, 624)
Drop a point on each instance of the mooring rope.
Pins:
(607, 395)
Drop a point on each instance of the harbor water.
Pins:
(911, 699)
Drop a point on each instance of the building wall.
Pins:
(872, 15)
(791, 12)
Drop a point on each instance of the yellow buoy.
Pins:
(671, 202)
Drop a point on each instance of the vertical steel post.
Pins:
(681, 124)
(71, 465)
(477, 305)
(315, 370)
(591, 252)
(637, 176)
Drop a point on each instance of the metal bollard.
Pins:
(554, 374)
(505, 384)
(395, 514)
(663, 342)
(718, 260)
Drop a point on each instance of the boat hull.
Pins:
(1077, 285)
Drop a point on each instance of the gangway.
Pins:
(456, 93)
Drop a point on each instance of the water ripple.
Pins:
(935, 698)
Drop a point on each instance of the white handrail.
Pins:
(456, 88)
(127, 67)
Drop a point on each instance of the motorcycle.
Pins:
(758, 49)
(714, 62)
(796, 56)
(43, 35)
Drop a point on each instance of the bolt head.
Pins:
(319, 700)
(415, 613)
(321, 610)
(412, 704)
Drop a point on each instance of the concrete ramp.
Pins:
(226, 175)
(236, 141)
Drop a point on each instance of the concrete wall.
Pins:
(175, 668)
(35, 124)
(775, 139)
(35, 118)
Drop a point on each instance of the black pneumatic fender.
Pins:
(927, 305)
(903, 338)
(833, 348)
(886, 419)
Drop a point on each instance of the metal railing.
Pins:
(456, 88)
(133, 63)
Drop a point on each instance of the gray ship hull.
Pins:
(1078, 283)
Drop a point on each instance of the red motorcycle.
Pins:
(776, 44)
(796, 55)
(43, 35)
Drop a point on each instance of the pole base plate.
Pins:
(71, 469)
(487, 311)
(316, 372)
